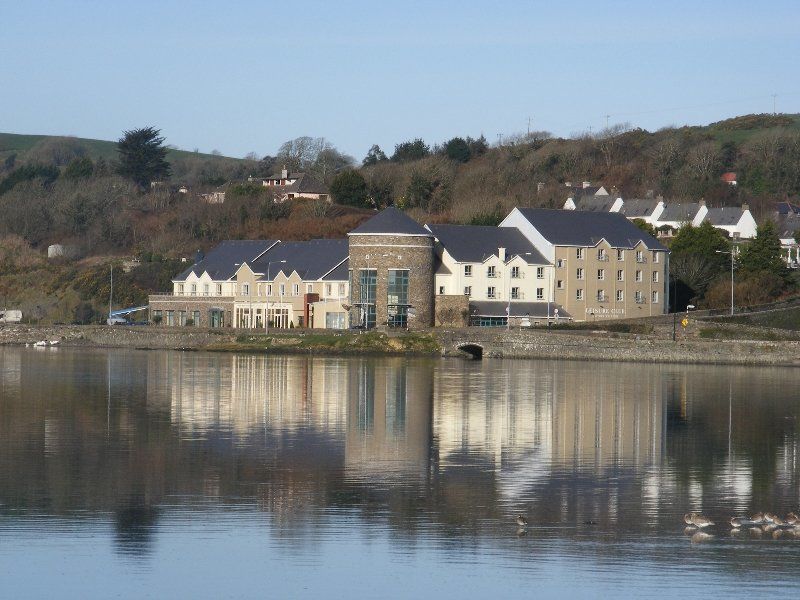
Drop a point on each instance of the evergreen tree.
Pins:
(763, 254)
(458, 149)
(143, 157)
(349, 187)
(374, 156)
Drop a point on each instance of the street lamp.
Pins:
(269, 282)
(732, 257)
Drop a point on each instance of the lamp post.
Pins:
(269, 282)
(732, 253)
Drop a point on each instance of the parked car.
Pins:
(116, 321)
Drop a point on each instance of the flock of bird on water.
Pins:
(697, 525)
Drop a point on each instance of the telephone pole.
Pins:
(774, 104)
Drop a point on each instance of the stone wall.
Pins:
(452, 311)
(412, 252)
(203, 304)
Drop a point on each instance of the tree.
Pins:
(413, 150)
(349, 187)
(143, 157)
(694, 259)
(420, 190)
(645, 226)
(458, 149)
(80, 168)
(374, 156)
(763, 254)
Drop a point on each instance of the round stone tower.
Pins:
(391, 262)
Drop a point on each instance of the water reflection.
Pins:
(449, 449)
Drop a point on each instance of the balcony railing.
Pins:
(641, 259)
(602, 257)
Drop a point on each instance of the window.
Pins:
(540, 293)
(515, 293)
(639, 297)
(655, 257)
(219, 289)
(193, 289)
(397, 298)
(579, 294)
(601, 254)
(639, 256)
(245, 289)
(170, 317)
(579, 273)
(620, 255)
(539, 272)
(467, 270)
(341, 290)
(490, 272)
(655, 276)
(654, 297)
(559, 263)
(309, 288)
(368, 291)
(560, 284)
(205, 289)
(620, 275)
(601, 274)
(282, 289)
(620, 296)
(601, 295)
(468, 290)
(441, 290)
(180, 289)
(181, 318)
(295, 289)
(328, 290)
(579, 253)
(157, 316)
(638, 276)
(515, 272)
(269, 289)
(196, 318)
(490, 292)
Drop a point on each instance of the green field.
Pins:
(15, 143)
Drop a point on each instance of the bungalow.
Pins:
(645, 209)
(737, 222)
(604, 203)
(674, 216)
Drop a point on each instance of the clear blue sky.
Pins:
(246, 76)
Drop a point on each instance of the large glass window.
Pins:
(397, 298)
(368, 284)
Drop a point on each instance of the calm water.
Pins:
(189, 475)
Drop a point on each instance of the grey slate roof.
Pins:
(680, 213)
(639, 207)
(728, 215)
(223, 261)
(578, 228)
(311, 260)
(391, 221)
(473, 243)
(788, 225)
(578, 190)
(594, 203)
(497, 308)
(340, 273)
(305, 184)
(786, 208)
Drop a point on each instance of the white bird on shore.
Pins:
(521, 521)
(40, 344)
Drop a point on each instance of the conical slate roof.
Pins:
(391, 221)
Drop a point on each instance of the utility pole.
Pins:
(529, 127)
(774, 104)
(499, 139)
(607, 117)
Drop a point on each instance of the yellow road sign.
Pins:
(684, 322)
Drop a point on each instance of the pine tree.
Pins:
(142, 156)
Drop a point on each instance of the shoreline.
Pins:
(598, 346)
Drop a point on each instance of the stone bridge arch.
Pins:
(475, 351)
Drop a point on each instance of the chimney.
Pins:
(199, 256)
(586, 184)
(284, 172)
(568, 183)
(745, 207)
(702, 203)
(501, 252)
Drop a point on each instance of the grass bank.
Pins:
(333, 343)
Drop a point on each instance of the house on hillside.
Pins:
(729, 178)
(291, 186)
(493, 270)
(736, 221)
(674, 216)
(605, 266)
(646, 209)
(585, 190)
(788, 228)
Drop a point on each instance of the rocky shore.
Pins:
(494, 343)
